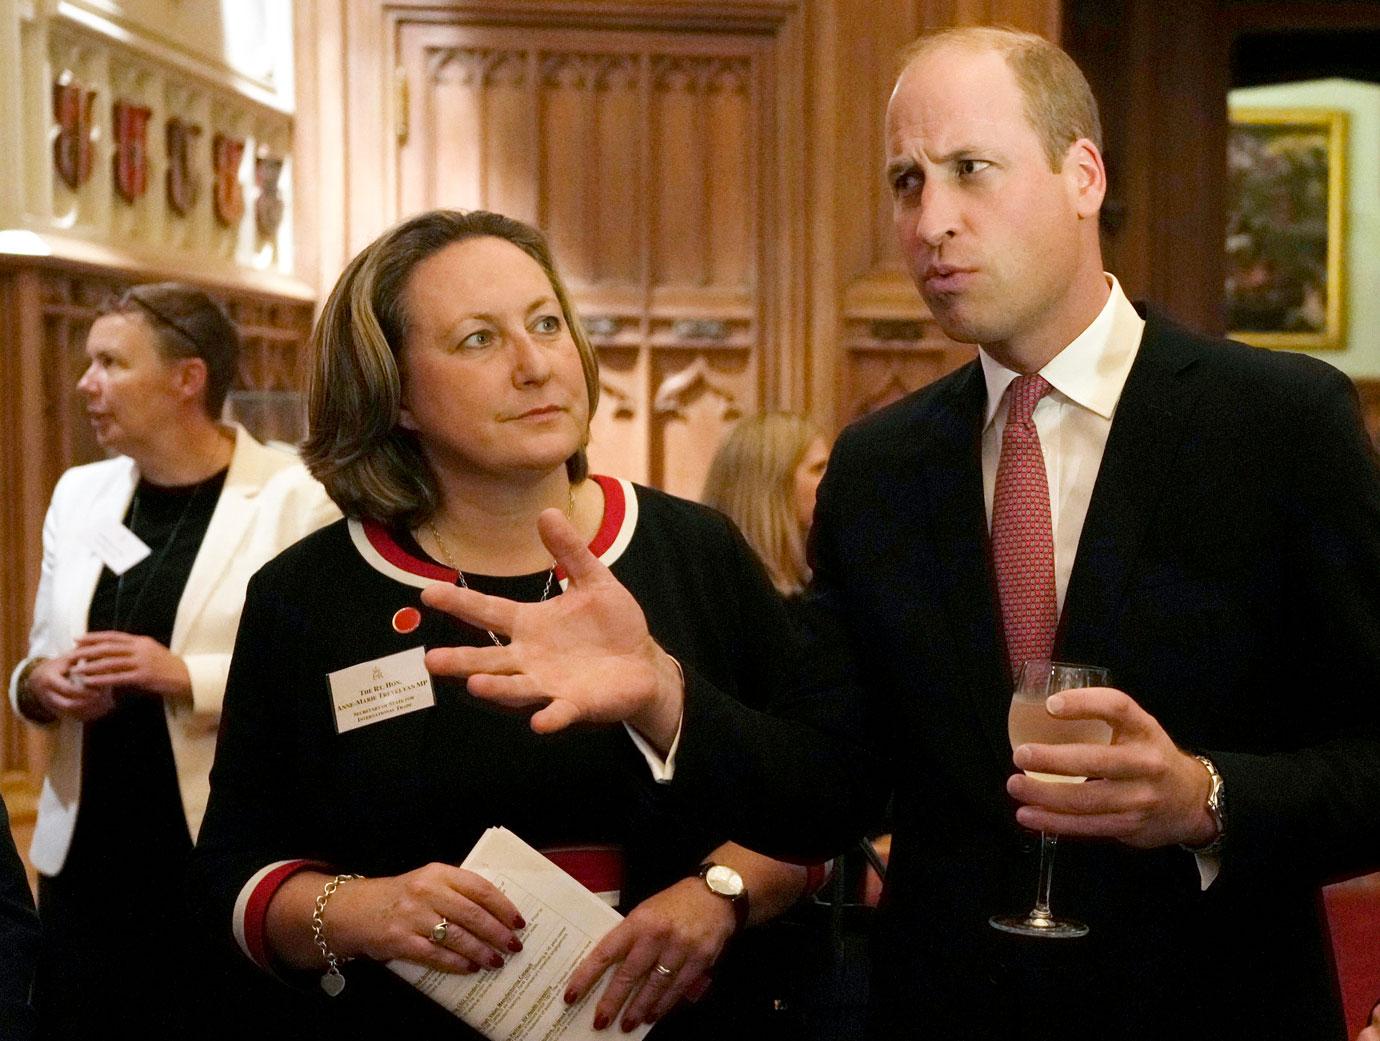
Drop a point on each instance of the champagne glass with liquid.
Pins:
(1030, 723)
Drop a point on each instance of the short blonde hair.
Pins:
(752, 480)
(370, 466)
(1059, 103)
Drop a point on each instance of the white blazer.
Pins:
(269, 501)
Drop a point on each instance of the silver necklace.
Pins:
(450, 562)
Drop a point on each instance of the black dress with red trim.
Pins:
(389, 797)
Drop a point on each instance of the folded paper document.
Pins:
(523, 1000)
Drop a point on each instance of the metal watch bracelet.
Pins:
(1216, 807)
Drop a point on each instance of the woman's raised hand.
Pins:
(584, 656)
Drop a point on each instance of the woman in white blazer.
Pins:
(145, 560)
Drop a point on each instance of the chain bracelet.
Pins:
(333, 982)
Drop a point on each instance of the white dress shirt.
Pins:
(1073, 420)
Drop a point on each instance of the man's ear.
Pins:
(192, 379)
(1087, 177)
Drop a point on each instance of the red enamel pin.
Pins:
(406, 619)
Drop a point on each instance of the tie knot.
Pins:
(1025, 393)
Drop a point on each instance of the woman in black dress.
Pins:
(449, 407)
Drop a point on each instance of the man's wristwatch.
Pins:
(1216, 807)
(723, 881)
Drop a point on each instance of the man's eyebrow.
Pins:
(897, 167)
(905, 164)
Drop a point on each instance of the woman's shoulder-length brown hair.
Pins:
(370, 466)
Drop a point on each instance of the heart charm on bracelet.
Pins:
(333, 982)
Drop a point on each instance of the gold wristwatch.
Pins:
(723, 881)
(1216, 807)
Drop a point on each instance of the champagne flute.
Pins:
(1030, 723)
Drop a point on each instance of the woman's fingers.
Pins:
(661, 989)
(440, 916)
(570, 551)
(477, 609)
(608, 951)
(88, 704)
(627, 979)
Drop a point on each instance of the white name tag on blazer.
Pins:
(384, 688)
(118, 547)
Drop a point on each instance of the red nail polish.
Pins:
(601, 1021)
(515, 945)
(518, 922)
(570, 996)
(496, 960)
(629, 1025)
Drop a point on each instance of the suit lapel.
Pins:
(108, 505)
(229, 527)
(1147, 429)
(952, 469)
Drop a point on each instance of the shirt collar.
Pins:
(1091, 370)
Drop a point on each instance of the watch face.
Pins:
(724, 881)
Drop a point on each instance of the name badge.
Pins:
(384, 688)
(118, 548)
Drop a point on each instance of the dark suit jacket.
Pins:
(1228, 574)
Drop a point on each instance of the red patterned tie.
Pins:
(1022, 535)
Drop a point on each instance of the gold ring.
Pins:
(662, 970)
(439, 930)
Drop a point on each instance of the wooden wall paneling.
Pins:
(789, 368)
(26, 419)
(614, 155)
(512, 149)
(699, 395)
(679, 177)
(1160, 74)
(730, 209)
(267, 397)
(621, 426)
(320, 157)
(568, 115)
(370, 90)
(1369, 391)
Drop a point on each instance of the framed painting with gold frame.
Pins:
(1286, 199)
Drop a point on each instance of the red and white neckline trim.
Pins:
(383, 554)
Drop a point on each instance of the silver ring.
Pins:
(439, 930)
(662, 970)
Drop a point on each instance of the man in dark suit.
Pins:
(1102, 487)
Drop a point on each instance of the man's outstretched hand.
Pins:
(584, 656)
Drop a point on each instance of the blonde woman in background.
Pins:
(764, 477)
